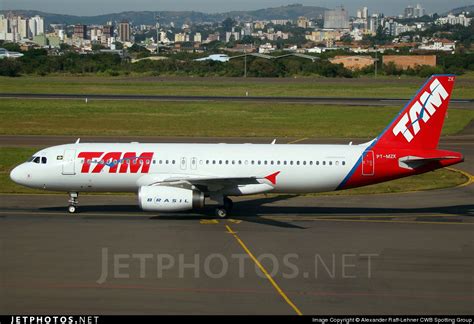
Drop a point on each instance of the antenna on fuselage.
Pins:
(274, 141)
(78, 140)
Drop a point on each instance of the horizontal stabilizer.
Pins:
(413, 162)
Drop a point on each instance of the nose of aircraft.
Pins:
(18, 174)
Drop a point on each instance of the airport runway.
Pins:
(455, 103)
(402, 253)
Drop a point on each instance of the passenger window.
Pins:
(343, 162)
(44, 160)
(265, 162)
(330, 162)
(310, 162)
(317, 162)
(291, 162)
(324, 162)
(297, 162)
(284, 162)
(304, 162)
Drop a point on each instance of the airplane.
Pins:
(180, 177)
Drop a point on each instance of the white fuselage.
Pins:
(302, 168)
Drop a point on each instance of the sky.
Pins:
(97, 7)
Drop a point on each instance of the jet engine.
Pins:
(169, 199)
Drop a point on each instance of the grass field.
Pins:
(11, 156)
(311, 87)
(152, 118)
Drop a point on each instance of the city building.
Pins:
(80, 31)
(365, 13)
(414, 12)
(302, 22)
(232, 36)
(374, 23)
(444, 45)
(36, 25)
(451, 19)
(409, 61)
(124, 31)
(324, 35)
(181, 37)
(418, 11)
(213, 37)
(353, 62)
(16, 28)
(197, 38)
(336, 19)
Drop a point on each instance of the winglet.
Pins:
(272, 177)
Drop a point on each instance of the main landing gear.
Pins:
(222, 211)
(73, 202)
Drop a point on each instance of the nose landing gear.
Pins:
(73, 202)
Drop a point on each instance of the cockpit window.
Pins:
(44, 160)
(36, 159)
(31, 159)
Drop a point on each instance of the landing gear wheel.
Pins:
(73, 202)
(221, 212)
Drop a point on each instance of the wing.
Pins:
(243, 185)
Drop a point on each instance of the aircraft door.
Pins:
(69, 162)
(368, 164)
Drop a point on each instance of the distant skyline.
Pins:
(98, 7)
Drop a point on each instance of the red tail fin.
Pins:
(419, 124)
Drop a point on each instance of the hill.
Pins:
(457, 11)
(179, 17)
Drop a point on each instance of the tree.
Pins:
(118, 45)
(9, 67)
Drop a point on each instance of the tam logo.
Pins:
(120, 162)
(422, 109)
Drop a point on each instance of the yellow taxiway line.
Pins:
(265, 272)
